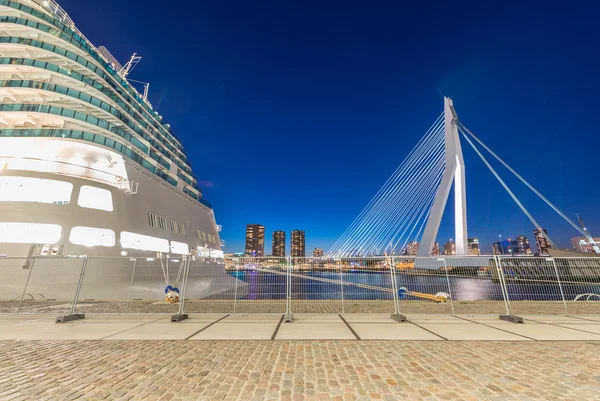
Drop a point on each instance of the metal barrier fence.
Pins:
(398, 284)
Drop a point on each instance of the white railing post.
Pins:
(341, 286)
(72, 315)
(562, 294)
(288, 317)
(398, 316)
(508, 316)
(130, 285)
(26, 283)
(237, 273)
(448, 282)
(181, 315)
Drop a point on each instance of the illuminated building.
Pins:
(449, 248)
(411, 249)
(279, 243)
(473, 247)
(436, 249)
(523, 246)
(298, 244)
(255, 240)
(318, 252)
(541, 241)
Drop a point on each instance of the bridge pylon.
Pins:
(453, 173)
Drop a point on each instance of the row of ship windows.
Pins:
(101, 104)
(40, 190)
(72, 74)
(39, 233)
(101, 140)
(72, 37)
(158, 221)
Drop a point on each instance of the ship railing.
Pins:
(411, 286)
(68, 169)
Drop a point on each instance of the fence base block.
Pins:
(398, 317)
(69, 318)
(178, 317)
(512, 318)
(288, 317)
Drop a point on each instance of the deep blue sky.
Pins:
(294, 113)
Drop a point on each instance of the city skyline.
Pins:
(333, 83)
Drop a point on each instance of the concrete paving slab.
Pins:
(26, 318)
(592, 318)
(127, 318)
(550, 319)
(315, 331)
(369, 318)
(254, 318)
(238, 331)
(316, 317)
(397, 331)
(471, 332)
(197, 318)
(547, 332)
(65, 331)
(594, 328)
(159, 331)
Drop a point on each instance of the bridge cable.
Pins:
(535, 223)
(523, 180)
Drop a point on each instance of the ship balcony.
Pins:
(68, 169)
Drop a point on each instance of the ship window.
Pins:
(91, 236)
(29, 233)
(180, 248)
(28, 189)
(143, 242)
(95, 198)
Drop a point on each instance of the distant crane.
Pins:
(587, 234)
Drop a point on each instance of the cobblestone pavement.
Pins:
(303, 306)
(298, 370)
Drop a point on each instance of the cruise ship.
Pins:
(87, 166)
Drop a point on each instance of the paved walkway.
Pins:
(305, 327)
(521, 362)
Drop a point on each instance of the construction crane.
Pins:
(587, 234)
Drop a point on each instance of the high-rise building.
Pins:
(298, 244)
(520, 246)
(474, 247)
(411, 248)
(450, 248)
(523, 247)
(318, 252)
(436, 249)
(541, 241)
(255, 240)
(278, 243)
(582, 244)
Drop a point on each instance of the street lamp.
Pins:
(501, 246)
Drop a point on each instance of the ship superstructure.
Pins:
(87, 166)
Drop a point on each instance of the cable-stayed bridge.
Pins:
(411, 203)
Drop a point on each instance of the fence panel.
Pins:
(261, 284)
(14, 274)
(366, 285)
(106, 285)
(532, 285)
(150, 279)
(211, 288)
(316, 285)
(580, 282)
(475, 285)
(422, 285)
(52, 285)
